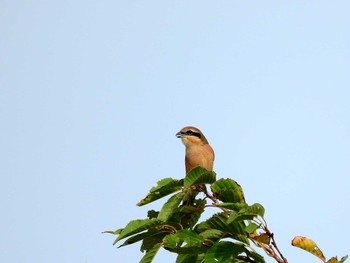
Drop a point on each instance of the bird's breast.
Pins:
(202, 155)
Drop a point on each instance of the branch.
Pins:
(273, 249)
(276, 247)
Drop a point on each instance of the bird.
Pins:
(198, 153)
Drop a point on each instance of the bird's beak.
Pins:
(179, 135)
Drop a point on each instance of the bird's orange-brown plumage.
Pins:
(198, 150)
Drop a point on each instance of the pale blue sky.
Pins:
(93, 92)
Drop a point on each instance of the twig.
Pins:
(213, 198)
(273, 249)
(276, 247)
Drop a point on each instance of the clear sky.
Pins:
(93, 92)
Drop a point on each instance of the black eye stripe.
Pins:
(192, 133)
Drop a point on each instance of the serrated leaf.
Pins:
(190, 237)
(212, 234)
(262, 238)
(157, 237)
(185, 242)
(185, 237)
(343, 259)
(164, 187)
(255, 209)
(238, 217)
(224, 252)
(186, 258)
(219, 222)
(251, 228)
(135, 239)
(199, 175)
(228, 252)
(196, 249)
(257, 257)
(308, 245)
(169, 207)
(228, 190)
(232, 206)
(161, 183)
(188, 215)
(171, 241)
(246, 213)
(150, 254)
(136, 226)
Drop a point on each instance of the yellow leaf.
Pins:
(310, 246)
(263, 238)
(333, 260)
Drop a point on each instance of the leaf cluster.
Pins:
(224, 237)
(227, 236)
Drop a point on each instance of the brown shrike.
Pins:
(198, 152)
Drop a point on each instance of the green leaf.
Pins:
(199, 175)
(183, 237)
(171, 241)
(247, 213)
(228, 190)
(185, 242)
(164, 187)
(150, 254)
(190, 237)
(161, 183)
(257, 257)
(157, 236)
(224, 252)
(219, 222)
(239, 217)
(169, 207)
(255, 210)
(212, 234)
(251, 228)
(232, 206)
(186, 258)
(115, 232)
(135, 239)
(200, 258)
(149, 236)
(136, 226)
(188, 215)
(343, 259)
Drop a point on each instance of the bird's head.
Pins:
(191, 136)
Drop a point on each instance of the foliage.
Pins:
(228, 236)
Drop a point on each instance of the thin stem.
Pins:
(214, 199)
(276, 247)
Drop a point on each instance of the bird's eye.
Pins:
(192, 133)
